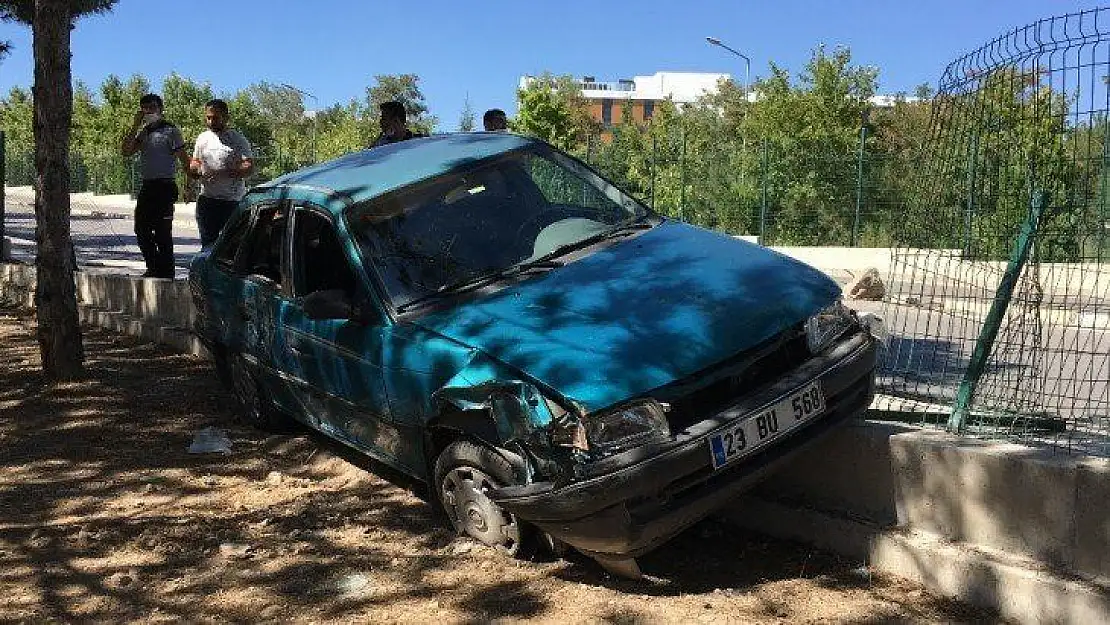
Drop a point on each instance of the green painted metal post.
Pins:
(682, 200)
(969, 210)
(957, 421)
(3, 181)
(763, 203)
(859, 184)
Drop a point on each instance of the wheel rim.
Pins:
(463, 491)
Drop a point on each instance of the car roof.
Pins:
(366, 174)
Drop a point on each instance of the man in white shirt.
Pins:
(222, 158)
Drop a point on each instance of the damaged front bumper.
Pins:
(631, 503)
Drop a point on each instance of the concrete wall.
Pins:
(1021, 529)
(154, 309)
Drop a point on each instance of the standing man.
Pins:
(394, 124)
(494, 120)
(222, 158)
(158, 143)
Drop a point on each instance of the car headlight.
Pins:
(828, 324)
(627, 427)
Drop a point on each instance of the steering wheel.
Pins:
(529, 221)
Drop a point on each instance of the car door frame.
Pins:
(360, 418)
(261, 355)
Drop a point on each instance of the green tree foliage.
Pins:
(786, 164)
(271, 116)
(811, 127)
(552, 108)
(403, 88)
(466, 117)
(340, 129)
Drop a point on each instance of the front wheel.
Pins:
(256, 410)
(465, 473)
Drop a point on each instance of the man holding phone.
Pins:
(158, 143)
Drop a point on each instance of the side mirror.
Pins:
(330, 304)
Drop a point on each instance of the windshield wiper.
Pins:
(479, 281)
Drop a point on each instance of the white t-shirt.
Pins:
(216, 152)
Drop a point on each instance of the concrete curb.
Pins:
(1015, 528)
(1021, 589)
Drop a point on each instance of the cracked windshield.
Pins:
(471, 223)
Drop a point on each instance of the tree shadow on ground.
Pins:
(106, 517)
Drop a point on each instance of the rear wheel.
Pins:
(465, 473)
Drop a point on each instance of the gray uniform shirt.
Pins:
(158, 144)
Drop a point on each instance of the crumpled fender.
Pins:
(517, 407)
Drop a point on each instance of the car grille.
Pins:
(710, 391)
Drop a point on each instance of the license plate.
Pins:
(758, 430)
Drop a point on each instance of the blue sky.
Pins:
(332, 48)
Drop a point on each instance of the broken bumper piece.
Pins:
(631, 503)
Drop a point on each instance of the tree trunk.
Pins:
(59, 329)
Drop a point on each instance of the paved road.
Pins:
(103, 233)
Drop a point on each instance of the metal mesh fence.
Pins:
(758, 188)
(999, 293)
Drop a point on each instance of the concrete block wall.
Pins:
(1021, 529)
(154, 309)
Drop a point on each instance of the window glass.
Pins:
(262, 249)
(235, 232)
(319, 263)
(484, 218)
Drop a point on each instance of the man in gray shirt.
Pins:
(158, 143)
(222, 158)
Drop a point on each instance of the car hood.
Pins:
(640, 313)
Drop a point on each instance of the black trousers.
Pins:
(212, 214)
(154, 225)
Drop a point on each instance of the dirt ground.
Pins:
(105, 517)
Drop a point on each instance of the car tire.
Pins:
(253, 407)
(223, 369)
(464, 472)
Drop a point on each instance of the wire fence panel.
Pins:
(999, 293)
(756, 187)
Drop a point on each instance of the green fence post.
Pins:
(859, 182)
(682, 167)
(969, 210)
(957, 421)
(3, 181)
(763, 203)
(654, 155)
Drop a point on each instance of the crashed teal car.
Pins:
(556, 362)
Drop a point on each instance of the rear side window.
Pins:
(224, 254)
(262, 248)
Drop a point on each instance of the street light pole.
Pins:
(747, 62)
(315, 103)
(713, 41)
